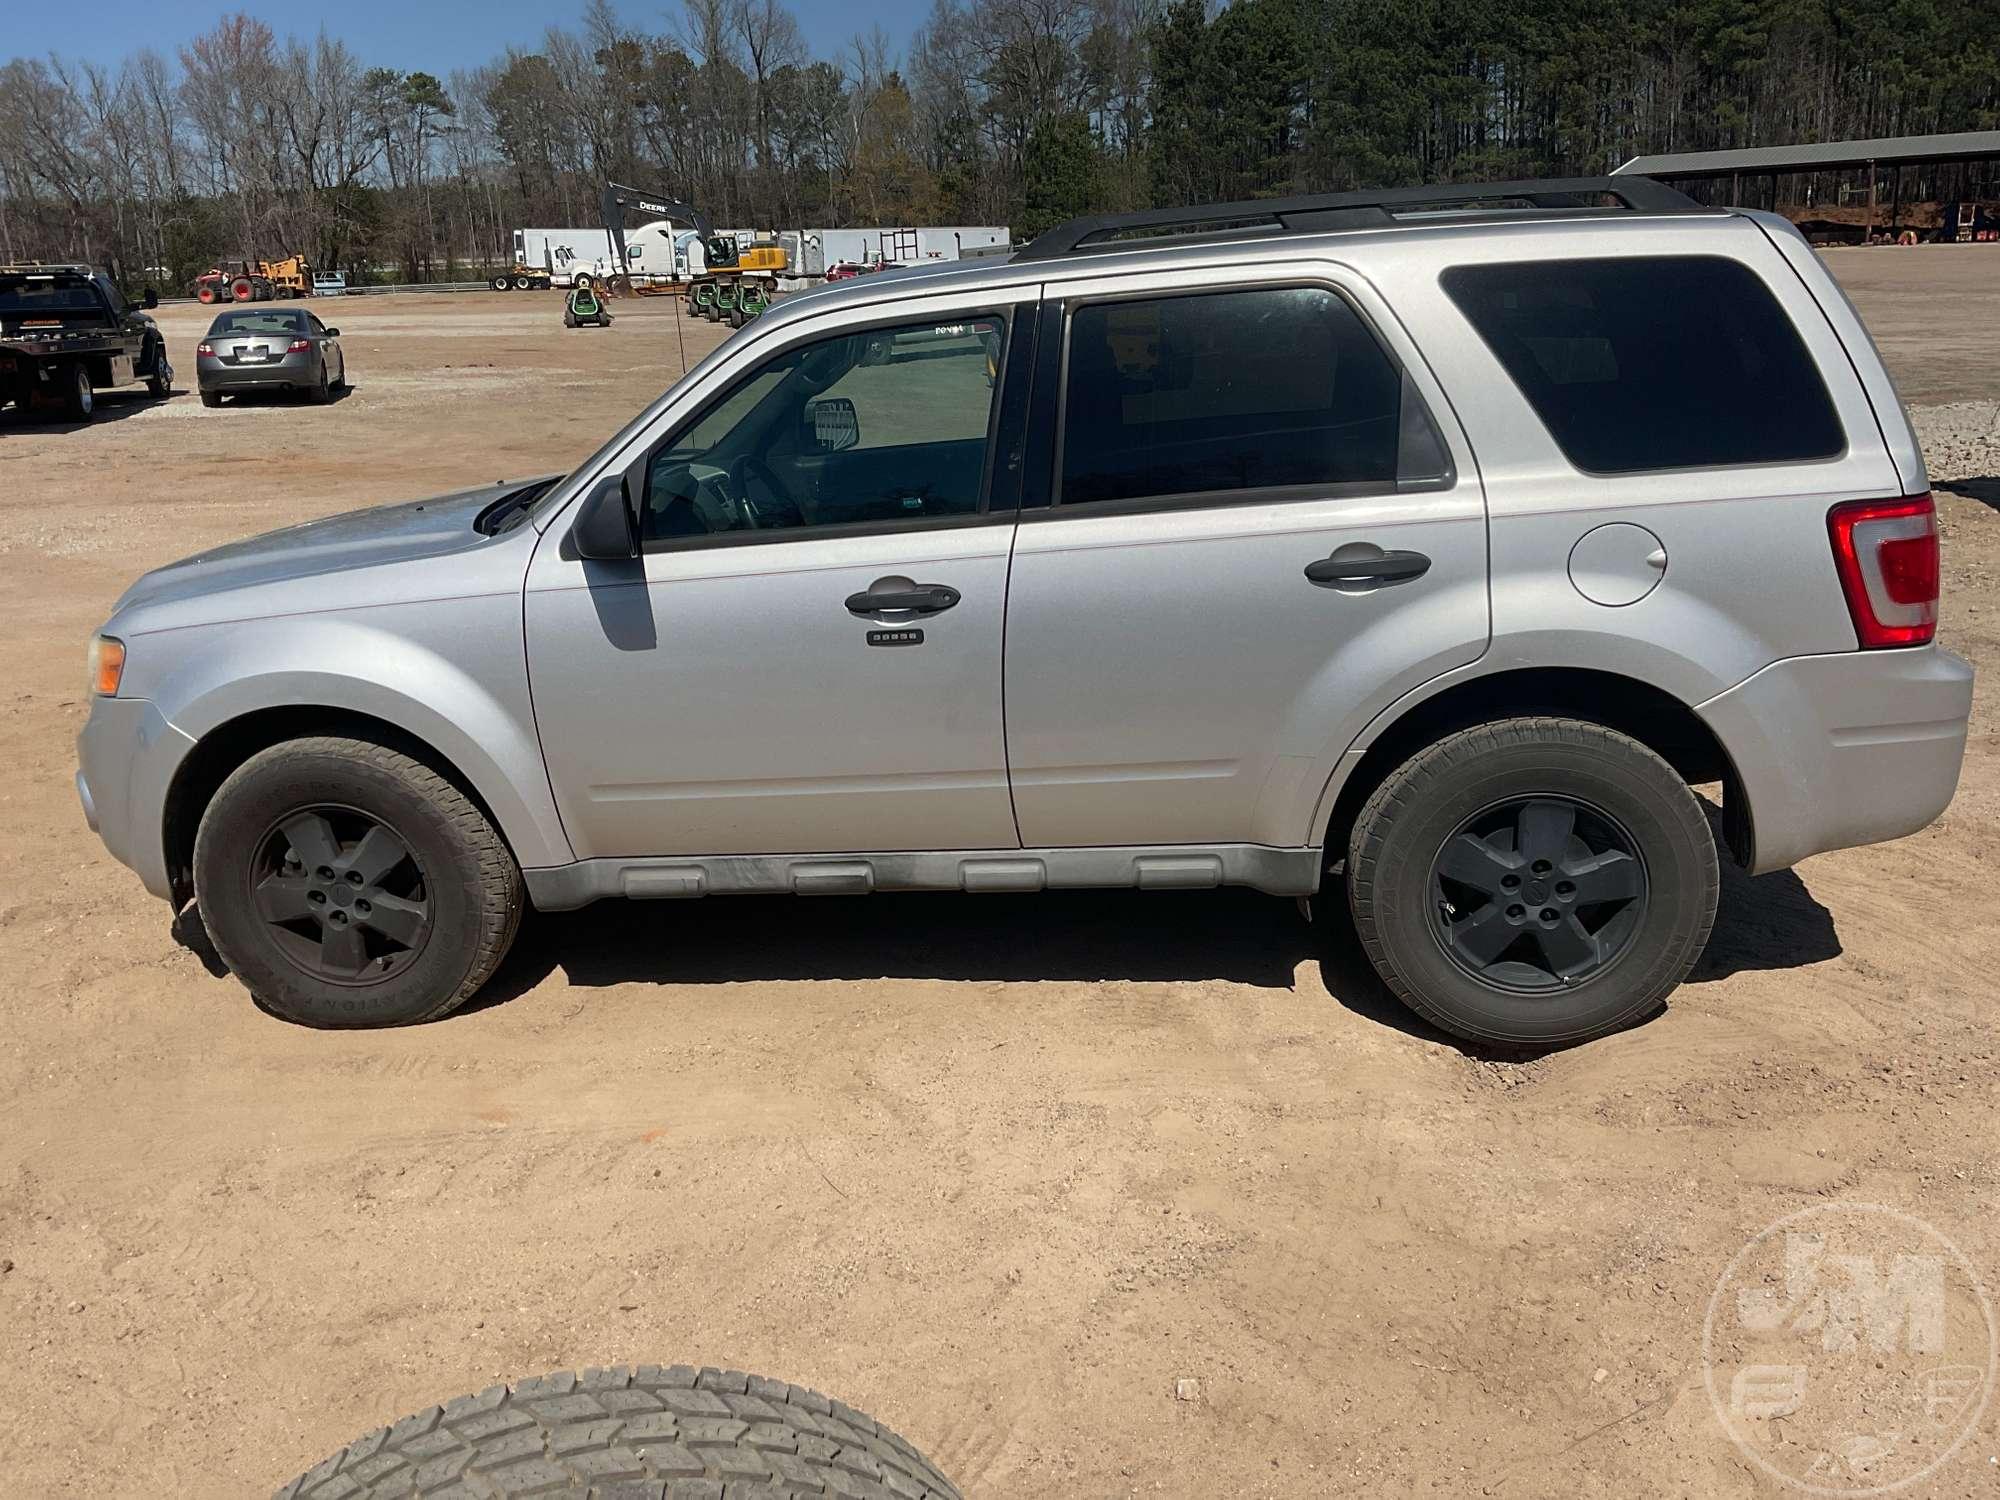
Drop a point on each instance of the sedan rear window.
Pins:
(272, 320)
(1649, 363)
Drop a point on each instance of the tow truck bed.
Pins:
(66, 331)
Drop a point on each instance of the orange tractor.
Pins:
(253, 280)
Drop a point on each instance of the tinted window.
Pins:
(1227, 391)
(45, 296)
(889, 424)
(270, 320)
(1659, 363)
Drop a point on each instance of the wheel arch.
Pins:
(1650, 715)
(225, 747)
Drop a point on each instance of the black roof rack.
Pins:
(1369, 209)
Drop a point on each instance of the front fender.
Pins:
(451, 673)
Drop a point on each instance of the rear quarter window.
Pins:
(1650, 363)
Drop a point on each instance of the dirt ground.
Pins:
(999, 1172)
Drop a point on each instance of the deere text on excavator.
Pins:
(736, 281)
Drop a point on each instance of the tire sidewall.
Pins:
(1655, 808)
(268, 788)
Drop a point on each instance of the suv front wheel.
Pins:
(1533, 882)
(348, 884)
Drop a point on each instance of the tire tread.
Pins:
(629, 1430)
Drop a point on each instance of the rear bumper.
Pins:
(1836, 751)
(127, 756)
(294, 370)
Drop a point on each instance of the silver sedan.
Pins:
(269, 348)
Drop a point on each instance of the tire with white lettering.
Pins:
(648, 1430)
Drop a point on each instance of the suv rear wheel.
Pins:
(1533, 881)
(347, 884)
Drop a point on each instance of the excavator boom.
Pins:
(619, 199)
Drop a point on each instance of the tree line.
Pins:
(1020, 112)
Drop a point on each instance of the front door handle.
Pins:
(916, 598)
(1371, 566)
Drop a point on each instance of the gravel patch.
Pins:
(1960, 440)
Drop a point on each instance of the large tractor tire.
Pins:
(243, 289)
(630, 1431)
(206, 293)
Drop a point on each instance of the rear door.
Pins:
(1260, 528)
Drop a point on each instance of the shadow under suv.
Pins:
(1428, 545)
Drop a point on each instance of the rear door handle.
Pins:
(917, 598)
(1369, 567)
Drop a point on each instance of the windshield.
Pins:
(273, 320)
(27, 298)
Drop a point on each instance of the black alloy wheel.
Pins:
(1538, 893)
(344, 898)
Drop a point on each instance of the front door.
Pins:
(806, 658)
(1258, 538)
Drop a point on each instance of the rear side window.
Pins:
(1663, 362)
(1268, 388)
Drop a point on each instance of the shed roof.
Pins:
(1817, 156)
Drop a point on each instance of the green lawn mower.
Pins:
(585, 309)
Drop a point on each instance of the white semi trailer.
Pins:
(666, 251)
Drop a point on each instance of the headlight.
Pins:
(107, 665)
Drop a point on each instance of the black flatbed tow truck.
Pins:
(66, 332)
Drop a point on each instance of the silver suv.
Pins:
(1426, 546)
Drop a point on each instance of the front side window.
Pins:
(1653, 362)
(879, 425)
(1260, 389)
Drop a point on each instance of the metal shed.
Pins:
(1939, 178)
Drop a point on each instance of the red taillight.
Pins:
(298, 346)
(1886, 552)
(204, 350)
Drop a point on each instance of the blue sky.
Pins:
(405, 34)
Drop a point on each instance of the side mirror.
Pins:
(607, 527)
(333, 333)
(832, 424)
(150, 300)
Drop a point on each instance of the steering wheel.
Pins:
(780, 510)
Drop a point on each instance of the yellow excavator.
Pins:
(737, 282)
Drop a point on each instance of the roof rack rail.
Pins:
(1367, 209)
